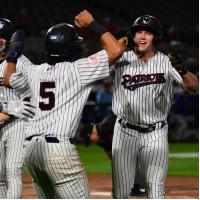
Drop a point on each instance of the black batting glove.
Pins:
(177, 62)
(16, 46)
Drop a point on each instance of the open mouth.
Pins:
(142, 43)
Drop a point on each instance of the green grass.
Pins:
(183, 167)
(183, 147)
(96, 161)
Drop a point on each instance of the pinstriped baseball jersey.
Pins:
(8, 94)
(143, 91)
(61, 92)
(142, 95)
(11, 143)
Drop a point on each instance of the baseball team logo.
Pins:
(133, 82)
(146, 20)
(2, 25)
(94, 60)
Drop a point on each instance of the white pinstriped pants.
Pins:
(56, 169)
(11, 161)
(152, 152)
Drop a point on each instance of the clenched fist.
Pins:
(83, 19)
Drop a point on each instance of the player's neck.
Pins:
(145, 56)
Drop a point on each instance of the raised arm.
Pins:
(108, 41)
(15, 50)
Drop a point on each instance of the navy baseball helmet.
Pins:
(150, 23)
(63, 43)
(6, 29)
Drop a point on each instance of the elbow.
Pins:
(193, 88)
(191, 82)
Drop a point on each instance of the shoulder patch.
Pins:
(94, 60)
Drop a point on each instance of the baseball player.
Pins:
(12, 135)
(60, 89)
(102, 134)
(143, 87)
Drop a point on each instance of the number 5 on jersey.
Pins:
(46, 94)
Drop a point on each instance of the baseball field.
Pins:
(182, 181)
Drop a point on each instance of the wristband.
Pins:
(97, 29)
(12, 57)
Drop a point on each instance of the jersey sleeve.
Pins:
(19, 82)
(93, 68)
(175, 76)
(23, 64)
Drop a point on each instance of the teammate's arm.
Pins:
(15, 50)
(110, 44)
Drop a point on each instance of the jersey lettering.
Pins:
(133, 82)
(47, 94)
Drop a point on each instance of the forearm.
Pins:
(190, 82)
(15, 49)
(110, 44)
(112, 47)
(9, 70)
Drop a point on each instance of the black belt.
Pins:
(50, 139)
(150, 128)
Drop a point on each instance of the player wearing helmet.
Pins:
(12, 128)
(60, 88)
(143, 87)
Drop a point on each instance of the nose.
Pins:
(143, 34)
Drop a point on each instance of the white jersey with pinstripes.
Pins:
(61, 92)
(142, 95)
(143, 91)
(11, 143)
(7, 94)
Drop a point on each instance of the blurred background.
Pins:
(180, 20)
